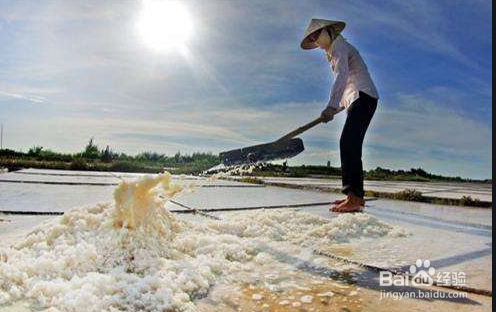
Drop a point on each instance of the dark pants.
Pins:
(360, 114)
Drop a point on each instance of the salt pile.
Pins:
(134, 255)
(305, 229)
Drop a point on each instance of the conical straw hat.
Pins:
(316, 25)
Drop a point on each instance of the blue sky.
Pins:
(71, 70)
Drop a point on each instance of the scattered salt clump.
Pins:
(329, 294)
(306, 299)
(309, 230)
(257, 297)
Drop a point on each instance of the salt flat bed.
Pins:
(447, 190)
(335, 273)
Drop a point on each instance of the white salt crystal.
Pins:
(257, 297)
(306, 299)
(327, 294)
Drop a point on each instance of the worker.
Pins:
(353, 91)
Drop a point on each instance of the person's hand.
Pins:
(328, 114)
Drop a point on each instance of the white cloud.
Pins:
(425, 127)
(29, 98)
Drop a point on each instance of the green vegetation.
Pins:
(406, 195)
(469, 201)
(251, 180)
(410, 195)
(416, 196)
(303, 171)
(378, 174)
(92, 158)
(419, 175)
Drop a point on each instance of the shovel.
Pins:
(286, 147)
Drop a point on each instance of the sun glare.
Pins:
(165, 25)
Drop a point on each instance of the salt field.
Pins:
(449, 190)
(215, 249)
(246, 156)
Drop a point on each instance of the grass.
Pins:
(378, 174)
(469, 201)
(410, 195)
(92, 158)
(78, 164)
(251, 180)
(416, 196)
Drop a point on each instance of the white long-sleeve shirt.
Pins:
(351, 75)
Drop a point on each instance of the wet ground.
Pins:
(454, 239)
(448, 190)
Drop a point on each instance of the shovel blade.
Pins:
(263, 152)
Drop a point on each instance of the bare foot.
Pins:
(350, 204)
(338, 202)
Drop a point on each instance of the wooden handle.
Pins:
(302, 129)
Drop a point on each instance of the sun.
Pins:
(165, 25)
